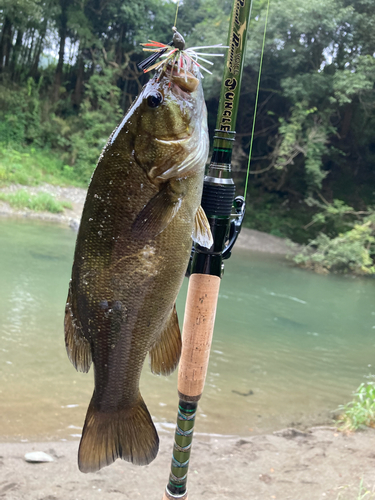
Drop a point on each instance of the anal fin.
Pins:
(77, 346)
(165, 354)
(202, 232)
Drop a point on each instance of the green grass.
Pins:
(361, 411)
(38, 202)
(30, 166)
(363, 493)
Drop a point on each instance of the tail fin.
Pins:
(127, 433)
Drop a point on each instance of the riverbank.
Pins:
(285, 465)
(70, 216)
(249, 239)
(290, 364)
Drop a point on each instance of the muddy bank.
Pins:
(249, 239)
(286, 465)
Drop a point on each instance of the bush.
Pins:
(352, 251)
(29, 166)
(359, 412)
(77, 136)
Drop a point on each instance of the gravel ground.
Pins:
(287, 465)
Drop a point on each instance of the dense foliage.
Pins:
(360, 412)
(68, 72)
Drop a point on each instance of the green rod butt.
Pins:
(181, 449)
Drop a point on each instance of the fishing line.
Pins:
(256, 99)
(175, 20)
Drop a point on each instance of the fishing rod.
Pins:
(225, 214)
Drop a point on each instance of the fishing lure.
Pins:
(175, 52)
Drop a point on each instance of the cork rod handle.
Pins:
(199, 321)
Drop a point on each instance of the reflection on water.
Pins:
(289, 345)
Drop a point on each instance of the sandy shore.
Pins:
(248, 239)
(287, 465)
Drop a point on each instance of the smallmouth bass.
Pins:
(133, 246)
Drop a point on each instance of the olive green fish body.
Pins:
(132, 252)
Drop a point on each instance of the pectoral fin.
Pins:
(166, 352)
(77, 346)
(202, 232)
(158, 213)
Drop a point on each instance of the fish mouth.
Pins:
(184, 79)
(180, 88)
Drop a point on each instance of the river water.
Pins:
(289, 345)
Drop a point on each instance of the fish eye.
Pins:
(154, 100)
